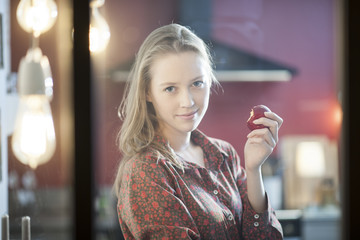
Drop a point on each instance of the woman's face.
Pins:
(179, 91)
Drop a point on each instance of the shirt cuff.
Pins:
(258, 220)
(262, 225)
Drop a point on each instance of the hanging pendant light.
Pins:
(99, 34)
(34, 141)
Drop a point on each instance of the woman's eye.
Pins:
(198, 83)
(169, 89)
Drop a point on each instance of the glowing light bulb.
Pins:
(36, 16)
(99, 34)
(33, 141)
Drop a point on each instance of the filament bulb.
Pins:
(99, 35)
(36, 16)
(33, 141)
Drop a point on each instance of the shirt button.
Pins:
(230, 218)
(256, 216)
(215, 192)
(256, 224)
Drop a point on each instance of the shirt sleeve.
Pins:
(148, 207)
(254, 225)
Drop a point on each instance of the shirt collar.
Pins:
(214, 154)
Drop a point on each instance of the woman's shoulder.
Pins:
(148, 162)
(142, 160)
(144, 169)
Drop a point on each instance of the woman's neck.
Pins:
(178, 141)
(184, 148)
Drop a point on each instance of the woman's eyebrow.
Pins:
(167, 84)
(197, 78)
(175, 83)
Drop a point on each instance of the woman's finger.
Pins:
(274, 117)
(271, 125)
(264, 134)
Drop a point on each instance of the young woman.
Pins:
(174, 182)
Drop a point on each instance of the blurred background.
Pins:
(287, 55)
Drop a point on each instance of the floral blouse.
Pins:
(160, 201)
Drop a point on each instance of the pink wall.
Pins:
(298, 33)
(130, 22)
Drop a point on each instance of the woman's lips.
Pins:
(187, 116)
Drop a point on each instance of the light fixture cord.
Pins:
(34, 40)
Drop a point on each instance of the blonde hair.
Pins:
(139, 120)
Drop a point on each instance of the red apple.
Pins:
(257, 112)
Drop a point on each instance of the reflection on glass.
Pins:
(40, 191)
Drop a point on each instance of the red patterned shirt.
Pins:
(160, 201)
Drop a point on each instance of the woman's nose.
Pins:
(186, 99)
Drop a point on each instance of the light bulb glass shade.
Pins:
(36, 16)
(34, 76)
(99, 34)
(33, 141)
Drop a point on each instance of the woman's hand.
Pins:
(261, 142)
